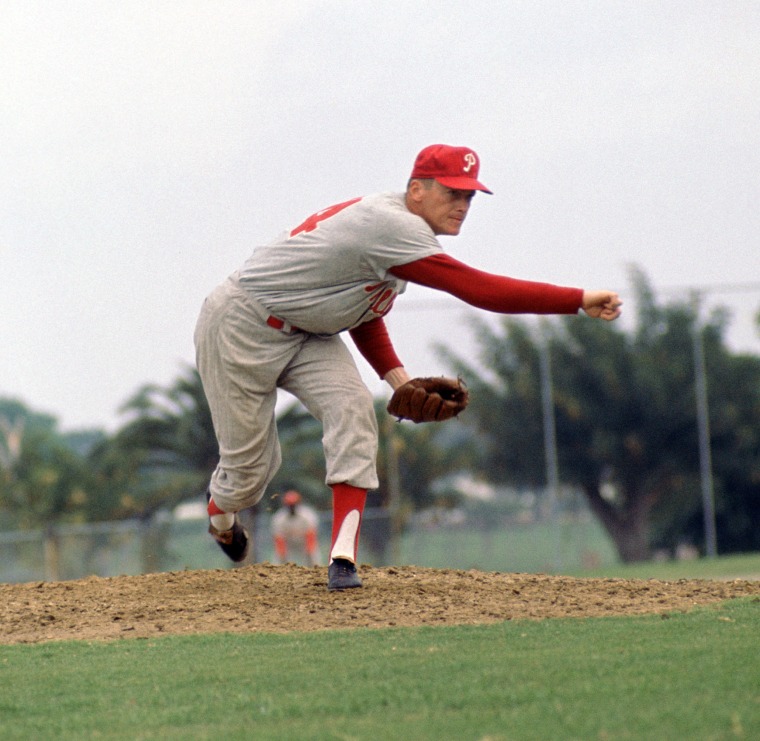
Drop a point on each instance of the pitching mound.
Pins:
(267, 598)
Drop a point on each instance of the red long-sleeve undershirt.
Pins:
(497, 293)
(372, 341)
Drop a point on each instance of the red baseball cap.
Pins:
(453, 167)
(291, 498)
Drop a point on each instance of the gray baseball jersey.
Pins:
(331, 273)
(293, 527)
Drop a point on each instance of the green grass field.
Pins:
(743, 566)
(682, 676)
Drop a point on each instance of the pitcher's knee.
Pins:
(235, 489)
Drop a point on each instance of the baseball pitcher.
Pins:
(279, 322)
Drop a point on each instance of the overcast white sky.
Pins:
(147, 147)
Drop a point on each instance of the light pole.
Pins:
(703, 429)
(550, 434)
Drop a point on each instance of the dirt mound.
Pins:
(267, 598)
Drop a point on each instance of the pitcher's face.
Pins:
(444, 209)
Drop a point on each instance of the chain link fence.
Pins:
(460, 538)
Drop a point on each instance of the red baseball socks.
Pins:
(348, 507)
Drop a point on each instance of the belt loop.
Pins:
(275, 323)
(281, 324)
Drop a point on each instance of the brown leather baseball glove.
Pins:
(429, 399)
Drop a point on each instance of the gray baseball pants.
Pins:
(242, 362)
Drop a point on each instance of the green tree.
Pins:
(625, 415)
(44, 478)
(162, 455)
(734, 400)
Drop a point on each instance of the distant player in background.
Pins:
(294, 531)
(276, 323)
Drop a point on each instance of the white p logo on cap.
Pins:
(452, 167)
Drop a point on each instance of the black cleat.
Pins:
(341, 574)
(235, 542)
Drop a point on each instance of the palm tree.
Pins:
(166, 451)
